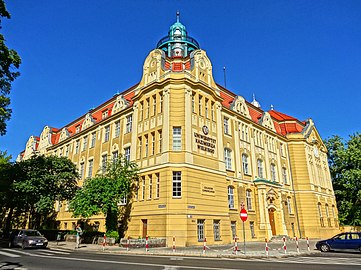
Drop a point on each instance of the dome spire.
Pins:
(178, 15)
(255, 102)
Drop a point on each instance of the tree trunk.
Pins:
(8, 221)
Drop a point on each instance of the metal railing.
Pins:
(187, 39)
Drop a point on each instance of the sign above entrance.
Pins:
(243, 214)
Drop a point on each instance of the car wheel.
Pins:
(324, 248)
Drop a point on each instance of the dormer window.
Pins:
(105, 114)
(77, 129)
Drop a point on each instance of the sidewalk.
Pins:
(253, 249)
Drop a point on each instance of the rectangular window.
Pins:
(106, 134)
(245, 164)
(77, 146)
(177, 138)
(141, 111)
(228, 158)
(147, 101)
(289, 205)
(146, 146)
(117, 129)
(77, 129)
(200, 229)
(85, 142)
(273, 173)
(284, 175)
(160, 141)
(249, 199)
(200, 105)
(234, 229)
(127, 153)
(150, 186)
(281, 150)
(67, 151)
(129, 123)
(206, 108)
(60, 152)
(260, 168)
(139, 147)
(251, 227)
(230, 197)
(193, 103)
(105, 114)
(143, 187)
(160, 103)
(157, 193)
(82, 170)
(153, 143)
(320, 214)
(213, 112)
(90, 168)
(217, 230)
(104, 163)
(94, 137)
(154, 105)
(226, 125)
(177, 184)
(115, 156)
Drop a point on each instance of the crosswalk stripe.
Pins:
(9, 254)
(56, 252)
(17, 251)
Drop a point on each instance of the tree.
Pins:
(9, 60)
(345, 167)
(104, 192)
(36, 184)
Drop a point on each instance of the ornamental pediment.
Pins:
(64, 134)
(266, 121)
(88, 121)
(120, 104)
(239, 105)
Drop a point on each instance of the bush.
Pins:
(113, 234)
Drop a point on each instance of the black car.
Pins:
(27, 238)
(342, 241)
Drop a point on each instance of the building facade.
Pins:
(204, 152)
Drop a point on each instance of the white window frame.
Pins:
(249, 199)
(226, 125)
(260, 168)
(177, 138)
(117, 129)
(129, 124)
(230, 197)
(245, 163)
(106, 133)
(273, 173)
(228, 158)
(177, 184)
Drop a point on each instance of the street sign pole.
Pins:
(244, 239)
(243, 215)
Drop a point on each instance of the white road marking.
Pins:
(17, 251)
(51, 251)
(9, 254)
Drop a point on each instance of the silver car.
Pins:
(27, 238)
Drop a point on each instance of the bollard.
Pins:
(298, 249)
(284, 244)
(235, 245)
(266, 247)
(104, 242)
(204, 246)
(308, 244)
(173, 244)
(128, 243)
(146, 244)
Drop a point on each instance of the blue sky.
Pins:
(304, 57)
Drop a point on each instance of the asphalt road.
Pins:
(57, 259)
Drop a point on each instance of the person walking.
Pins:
(79, 232)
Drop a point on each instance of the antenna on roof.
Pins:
(225, 79)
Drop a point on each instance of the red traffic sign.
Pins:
(243, 214)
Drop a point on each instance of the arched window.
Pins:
(249, 199)
(328, 215)
(260, 168)
(230, 197)
(228, 158)
(320, 214)
(273, 172)
(245, 164)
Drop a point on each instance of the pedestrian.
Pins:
(79, 232)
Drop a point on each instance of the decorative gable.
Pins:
(239, 105)
(267, 122)
(88, 121)
(120, 104)
(64, 134)
(45, 139)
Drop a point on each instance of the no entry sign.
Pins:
(243, 214)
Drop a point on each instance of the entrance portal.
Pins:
(272, 220)
(145, 227)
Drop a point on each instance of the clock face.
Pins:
(205, 130)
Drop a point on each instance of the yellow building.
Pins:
(203, 152)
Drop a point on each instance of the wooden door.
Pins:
(271, 215)
(145, 227)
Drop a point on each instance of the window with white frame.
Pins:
(115, 156)
(177, 138)
(289, 205)
(146, 146)
(160, 103)
(217, 230)
(281, 149)
(77, 146)
(249, 199)
(234, 229)
(106, 133)
(160, 141)
(200, 229)
(77, 129)
(93, 139)
(85, 143)
(206, 108)
(230, 197)
(117, 129)
(273, 172)
(147, 108)
(245, 164)
(320, 214)
(105, 114)
(153, 143)
(129, 123)
(82, 170)
(177, 184)
(140, 147)
(150, 186)
(104, 163)
(228, 158)
(226, 125)
(143, 187)
(213, 111)
(141, 111)
(284, 175)
(154, 105)
(127, 153)
(90, 168)
(260, 168)
(200, 104)
(157, 193)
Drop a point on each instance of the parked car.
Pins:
(27, 238)
(342, 241)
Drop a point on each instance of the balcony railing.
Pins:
(187, 39)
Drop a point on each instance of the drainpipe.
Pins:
(294, 194)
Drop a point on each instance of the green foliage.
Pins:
(9, 61)
(113, 234)
(103, 193)
(35, 184)
(345, 168)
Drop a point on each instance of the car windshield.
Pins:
(32, 233)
